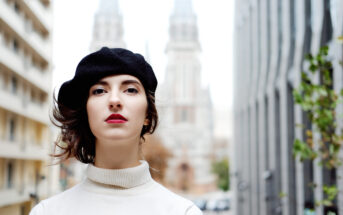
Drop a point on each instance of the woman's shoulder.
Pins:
(175, 201)
(55, 201)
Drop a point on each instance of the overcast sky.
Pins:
(147, 22)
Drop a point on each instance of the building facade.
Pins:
(25, 96)
(186, 126)
(108, 26)
(271, 40)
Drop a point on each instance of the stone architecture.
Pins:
(25, 96)
(271, 40)
(108, 26)
(186, 125)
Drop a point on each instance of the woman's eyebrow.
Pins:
(130, 82)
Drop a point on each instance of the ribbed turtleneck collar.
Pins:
(125, 178)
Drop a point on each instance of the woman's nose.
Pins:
(114, 101)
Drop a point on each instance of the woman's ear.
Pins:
(146, 122)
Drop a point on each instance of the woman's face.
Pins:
(116, 108)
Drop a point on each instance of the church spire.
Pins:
(183, 8)
(109, 6)
(108, 26)
(183, 27)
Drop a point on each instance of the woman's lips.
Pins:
(116, 118)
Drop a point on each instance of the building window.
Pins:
(1, 79)
(16, 7)
(309, 202)
(308, 29)
(12, 129)
(293, 34)
(291, 136)
(278, 165)
(327, 29)
(15, 45)
(10, 174)
(14, 85)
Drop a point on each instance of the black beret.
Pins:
(105, 62)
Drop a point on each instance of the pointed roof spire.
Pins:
(183, 8)
(108, 26)
(109, 6)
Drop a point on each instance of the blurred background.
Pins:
(231, 127)
(189, 45)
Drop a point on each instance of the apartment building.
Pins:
(272, 38)
(25, 96)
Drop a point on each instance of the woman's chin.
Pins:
(117, 137)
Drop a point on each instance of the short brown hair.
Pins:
(76, 138)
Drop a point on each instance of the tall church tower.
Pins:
(185, 107)
(108, 26)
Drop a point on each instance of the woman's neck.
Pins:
(117, 154)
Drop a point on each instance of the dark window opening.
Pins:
(12, 129)
(293, 34)
(308, 169)
(291, 135)
(327, 29)
(278, 188)
(308, 29)
(14, 85)
(15, 45)
(10, 172)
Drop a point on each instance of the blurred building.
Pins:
(108, 26)
(271, 40)
(25, 95)
(186, 126)
(222, 134)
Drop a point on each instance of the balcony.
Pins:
(17, 151)
(11, 197)
(18, 24)
(23, 107)
(15, 62)
(43, 14)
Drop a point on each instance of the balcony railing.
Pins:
(21, 106)
(43, 14)
(11, 197)
(16, 62)
(18, 24)
(15, 150)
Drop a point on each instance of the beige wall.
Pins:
(26, 131)
(16, 209)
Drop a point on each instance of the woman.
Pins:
(103, 113)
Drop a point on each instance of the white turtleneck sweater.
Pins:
(129, 191)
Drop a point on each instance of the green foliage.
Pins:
(282, 195)
(221, 169)
(319, 101)
(330, 193)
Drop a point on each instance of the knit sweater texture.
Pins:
(129, 191)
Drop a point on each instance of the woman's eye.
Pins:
(98, 91)
(132, 90)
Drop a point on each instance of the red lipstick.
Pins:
(115, 119)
